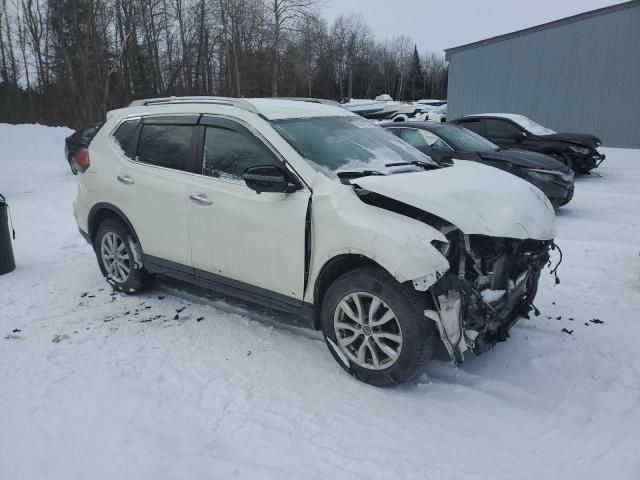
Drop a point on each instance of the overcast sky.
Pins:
(435, 25)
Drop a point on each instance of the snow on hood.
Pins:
(582, 139)
(477, 199)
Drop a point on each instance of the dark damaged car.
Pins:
(442, 142)
(577, 150)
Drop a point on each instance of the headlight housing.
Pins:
(545, 175)
(579, 150)
(541, 175)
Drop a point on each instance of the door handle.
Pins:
(126, 179)
(200, 199)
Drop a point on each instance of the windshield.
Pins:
(334, 144)
(465, 140)
(533, 127)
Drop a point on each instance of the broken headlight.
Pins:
(579, 150)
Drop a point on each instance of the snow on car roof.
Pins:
(276, 109)
(521, 120)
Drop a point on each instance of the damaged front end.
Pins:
(491, 283)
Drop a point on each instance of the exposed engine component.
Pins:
(492, 281)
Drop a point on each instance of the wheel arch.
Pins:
(331, 270)
(100, 212)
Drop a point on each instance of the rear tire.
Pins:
(375, 327)
(120, 257)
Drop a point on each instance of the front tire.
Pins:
(119, 263)
(375, 327)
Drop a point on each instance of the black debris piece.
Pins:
(127, 312)
(199, 319)
(559, 317)
(587, 324)
(180, 309)
(249, 353)
(571, 319)
(91, 296)
(16, 330)
(84, 294)
(161, 297)
(568, 332)
(177, 317)
(553, 303)
(597, 321)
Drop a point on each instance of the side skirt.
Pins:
(232, 288)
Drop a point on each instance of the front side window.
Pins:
(473, 125)
(501, 129)
(333, 144)
(228, 153)
(165, 145)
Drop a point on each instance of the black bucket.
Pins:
(7, 262)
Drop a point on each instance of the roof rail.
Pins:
(311, 100)
(235, 102)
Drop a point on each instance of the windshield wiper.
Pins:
(349, 174)
(418, 163)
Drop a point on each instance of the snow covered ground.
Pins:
(101, 386)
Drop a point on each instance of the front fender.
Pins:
(343, 224)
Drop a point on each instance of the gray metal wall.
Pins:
(578, 77)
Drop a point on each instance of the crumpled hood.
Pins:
(526, 159)
(478, 199)
(582, 139)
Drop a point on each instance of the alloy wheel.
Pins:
(367, 331)
(115, 257)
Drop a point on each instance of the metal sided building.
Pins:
(578, 74)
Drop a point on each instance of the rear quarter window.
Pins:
(125, 133)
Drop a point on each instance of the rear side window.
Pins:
(228, 153)
(165, 145)
(124, 133)
(501, 129)
(473, 125)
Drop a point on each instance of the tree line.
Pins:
(67, 62)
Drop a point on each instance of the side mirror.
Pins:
(519, 136)
(269, 178)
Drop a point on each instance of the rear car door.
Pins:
(151, 186)
(238, 237)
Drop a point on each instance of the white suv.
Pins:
(308, 208)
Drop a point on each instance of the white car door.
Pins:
(152, 187)
(238, 237)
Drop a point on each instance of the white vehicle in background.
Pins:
(437, 114)
(310, 209)
(384, 108)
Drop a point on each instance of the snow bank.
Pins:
(102, 386)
